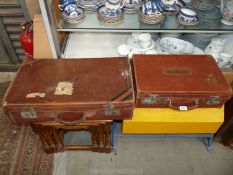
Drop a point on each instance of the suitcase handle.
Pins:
(80, 116)
(186, 104)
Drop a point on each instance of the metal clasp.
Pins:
(214, 100)
(109, 110)
(28, 112)
(150, 99)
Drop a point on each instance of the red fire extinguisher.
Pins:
(26, 39)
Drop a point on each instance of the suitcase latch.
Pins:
(151, 99)
(28, 113)
(109, 110)
(213, 100)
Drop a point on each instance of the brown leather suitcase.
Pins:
(71, 90)
(180, 82)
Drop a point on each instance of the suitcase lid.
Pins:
(72, 82)
(179, 74)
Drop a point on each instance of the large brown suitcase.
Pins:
(181, 82)
(71, 90)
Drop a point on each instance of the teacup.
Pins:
(114, 5)
(71, 11)
(135, 37)
(145, 40)
(64, 3)
(187, 15)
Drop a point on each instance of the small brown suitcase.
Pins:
(71, 90)
(180, 82)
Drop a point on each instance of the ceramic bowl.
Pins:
(175, 46)
(187, 16)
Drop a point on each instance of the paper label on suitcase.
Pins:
(183, 108)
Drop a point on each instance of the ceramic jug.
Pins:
(150, 7)
(227, 12)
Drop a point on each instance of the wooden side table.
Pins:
(52, 135)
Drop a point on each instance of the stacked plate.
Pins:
(204, 4)
(109, 17)
(77, 15)
(90, 5)
(155, 18)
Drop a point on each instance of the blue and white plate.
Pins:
(90, 5)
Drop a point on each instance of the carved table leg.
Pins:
(53, 132)
(94, 138)
(101, 137)
(107, 129)
(38, 129)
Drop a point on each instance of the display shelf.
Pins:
(131, 23)
(93, 45)
(98, 45)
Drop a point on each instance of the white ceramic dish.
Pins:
(174, 45)
(123, 50)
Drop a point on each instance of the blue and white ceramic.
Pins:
(73, 14)
(90, 5)
(64, 3)
(187, 16)
(103, 11)
(150, 7)
(110, 17)
(71, 10)
(114, 5)
(172, 6)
